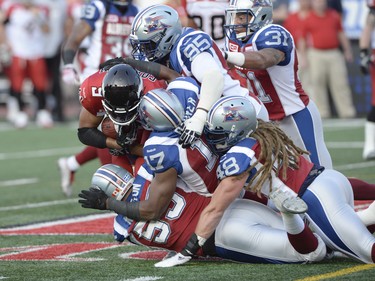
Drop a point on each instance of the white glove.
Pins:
(192, 128)
(177, 259)
(70, 75)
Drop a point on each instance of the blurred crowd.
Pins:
(34, 31)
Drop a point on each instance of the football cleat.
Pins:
(174, 260)
(21, 120)
(285, 203)
(44, 119)
(369, 144)
(67, 176)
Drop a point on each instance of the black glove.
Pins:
(94, 198)
(112, 62)
(365, 61)
(127, 135)
(118, 152)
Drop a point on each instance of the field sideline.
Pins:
(46, 236)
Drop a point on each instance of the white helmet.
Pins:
(160, 110)
(113, 180)
(231, 119)
(154, 32)
(254, 15)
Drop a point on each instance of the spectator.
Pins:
(26, 33)
(58, 15)
(293, 23)
(323, 35)
(367, 53)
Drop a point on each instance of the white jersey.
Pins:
(209, 16)
(280, 90)
(24, 30)
(181, 58)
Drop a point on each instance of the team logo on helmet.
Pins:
(154, 24)
(232, 114)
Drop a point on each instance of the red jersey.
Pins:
(90, 92)
(176, 225)
(322, 32)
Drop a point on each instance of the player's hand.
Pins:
(94, 198)
(365, 61)
(70, 75)
(174, 260)
(126, 136)
(192, 128)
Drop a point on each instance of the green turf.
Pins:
(31, 154)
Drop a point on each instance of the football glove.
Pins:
(365, 61)
(70, 75)
(126, 136)
(192, 128)
(118, 152)
(94, 198)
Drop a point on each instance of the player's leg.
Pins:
(38, 74)
(306, 130)
(331, 213)
(260, 236)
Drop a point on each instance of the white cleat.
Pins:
(286, 203)
(66, 177)
(369, 143)
(44, 119)
(21, 120)
(170, 261)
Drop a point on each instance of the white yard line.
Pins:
(18, 182)
(40, 204)
(39, 153)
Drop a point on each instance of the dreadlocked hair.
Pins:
(277, 153)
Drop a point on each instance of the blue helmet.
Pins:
(154, 31)
(244, 17)
(231, 119)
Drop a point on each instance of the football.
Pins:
(108, 128)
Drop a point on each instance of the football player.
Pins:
(268, 162)
(107, 23)
(266, 54)
(367, 46)
(157, 35)
(119, 99)
(161, 110)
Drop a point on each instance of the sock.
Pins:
(104, 156)
(72, 163)
(362, 190)
(367, 215)
(293, 223)
(87, 154)
(371, 228)
(304, 242)
(253, 196)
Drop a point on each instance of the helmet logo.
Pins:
(154, 24)
(232, 114)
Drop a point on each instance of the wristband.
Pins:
(236, 58)
(127, 209)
